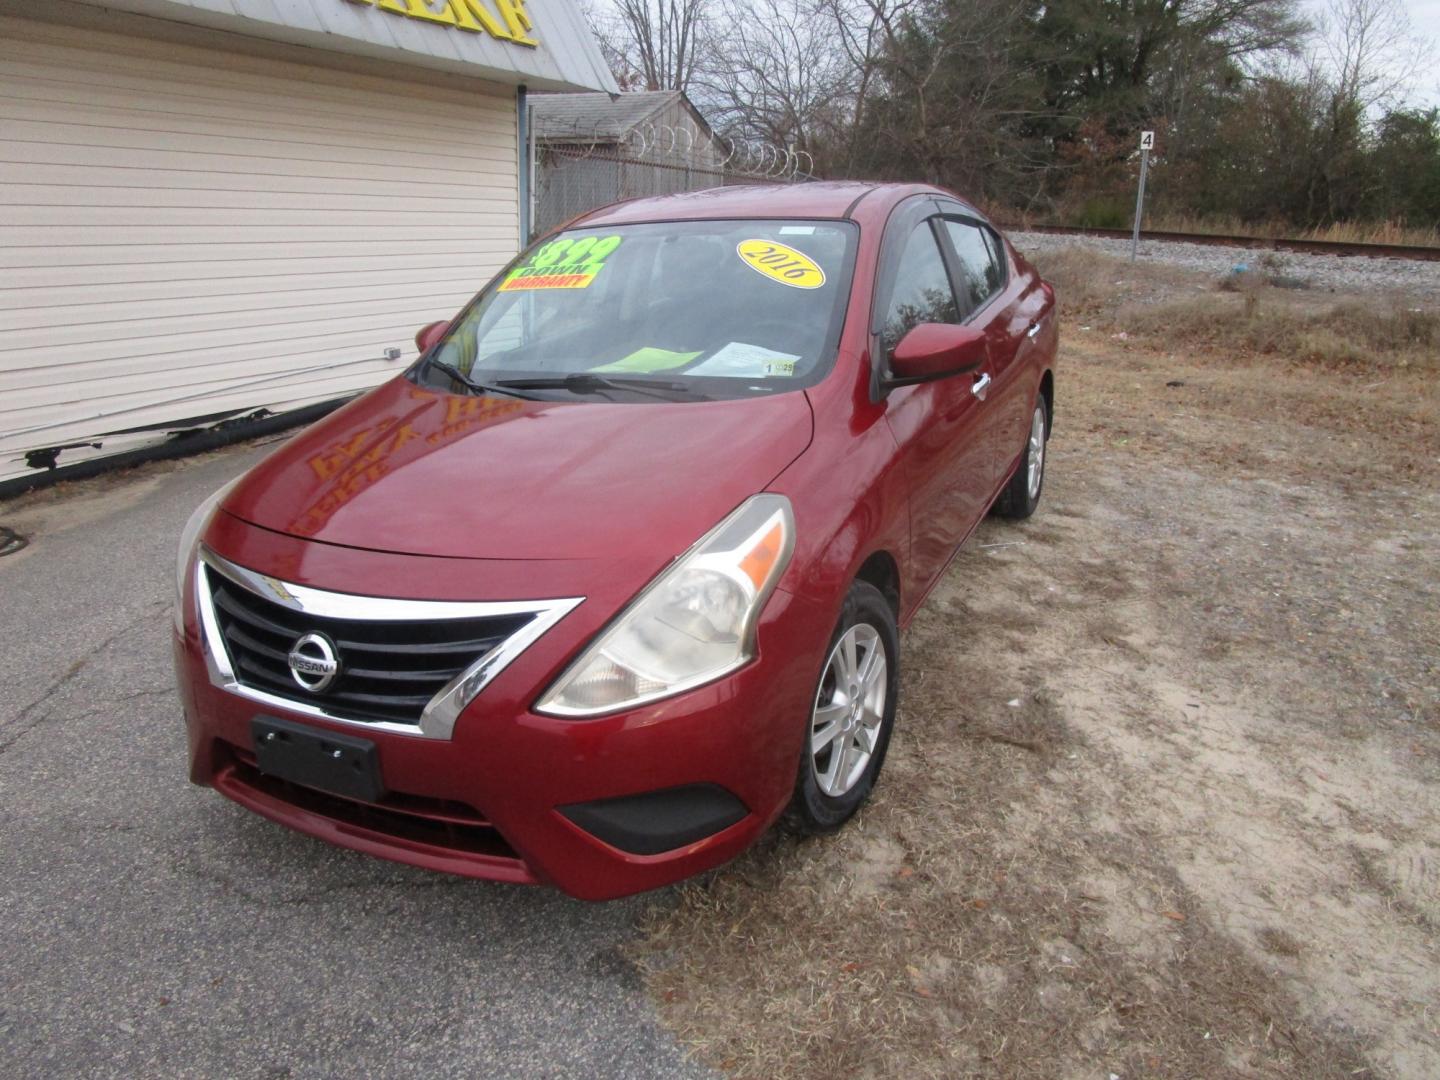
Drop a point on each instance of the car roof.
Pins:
(823, 199)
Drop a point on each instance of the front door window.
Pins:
(922, 290)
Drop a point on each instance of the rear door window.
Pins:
(982, 272)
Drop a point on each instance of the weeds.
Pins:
(1086, 282)
(1344, 335)
(976, 920)
(1248, 314)
(1103, 215)
(1007, 906)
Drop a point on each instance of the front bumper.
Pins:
(498, 800)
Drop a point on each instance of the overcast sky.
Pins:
(1424, 21)
(1425, 17)
(1425, 14)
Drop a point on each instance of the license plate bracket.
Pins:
(340, 764)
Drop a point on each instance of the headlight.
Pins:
(692, 624)
(189, 540)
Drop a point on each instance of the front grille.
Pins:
(389, 669)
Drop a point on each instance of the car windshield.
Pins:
(674, 310)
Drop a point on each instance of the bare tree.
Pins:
(946, 90)
(1373, 54)
(863, 29)
(653, 44)
(778, 75)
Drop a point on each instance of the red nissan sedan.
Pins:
(613, 576)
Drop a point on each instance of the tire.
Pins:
(829, 789)
(1022, 494)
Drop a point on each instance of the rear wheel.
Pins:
(851, 716)
(1022, 495)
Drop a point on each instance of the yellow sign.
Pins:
(781, 263)
(567, 263)
(512, 24)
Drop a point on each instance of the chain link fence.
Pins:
(570, 181)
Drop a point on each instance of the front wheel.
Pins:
(1022, 493)
(852, 713)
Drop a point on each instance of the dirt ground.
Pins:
(1164, 794)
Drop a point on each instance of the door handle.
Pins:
(1034, 329)
(981, 386)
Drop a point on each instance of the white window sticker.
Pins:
(741, 361)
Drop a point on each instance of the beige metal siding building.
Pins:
(210, 214)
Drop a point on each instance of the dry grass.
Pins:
(1245, 315)
(1091, 285)
(1059, 878)
(1348, 232)
(1367, 337)
(1273, 356)
(964, 926)
(1085, 281)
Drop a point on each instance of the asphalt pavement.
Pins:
(152, 928)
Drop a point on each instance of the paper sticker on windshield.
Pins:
(567, 263)
(649, 359)
(741, 361)
(781, 263)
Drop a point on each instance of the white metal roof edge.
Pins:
(567, 57)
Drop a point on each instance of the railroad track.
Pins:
(1311, 247)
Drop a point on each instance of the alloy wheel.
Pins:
(849, 709)
(1036, 456)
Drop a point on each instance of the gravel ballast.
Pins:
(1322, 273)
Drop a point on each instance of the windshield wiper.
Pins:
(471, 384)
(587, 382)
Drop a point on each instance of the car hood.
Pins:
(411, 470)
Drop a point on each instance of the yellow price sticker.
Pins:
(781, 263)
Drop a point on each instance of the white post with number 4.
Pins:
(1147, 143)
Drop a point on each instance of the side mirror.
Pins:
(934, 350)
(429, 335)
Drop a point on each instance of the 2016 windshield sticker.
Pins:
(781, 263)
(567, 263)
